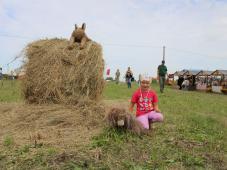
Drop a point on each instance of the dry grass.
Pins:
(55, 125)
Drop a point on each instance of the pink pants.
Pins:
(152, 116)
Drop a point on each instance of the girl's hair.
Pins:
(145, 77)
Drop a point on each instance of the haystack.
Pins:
(57, 74)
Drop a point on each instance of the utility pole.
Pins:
(164, 53)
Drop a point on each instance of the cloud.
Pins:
(132, 32)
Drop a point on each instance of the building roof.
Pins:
(204, 73)
(200, 72)
(179, 73)
(219, 72)
(192, 72)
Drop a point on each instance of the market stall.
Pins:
(170, 80)
(178, 75)
(219, 81)
(203, 80)
(191, 76)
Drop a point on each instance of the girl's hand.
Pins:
(131, 109)
(155, 105)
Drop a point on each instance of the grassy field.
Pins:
(10, 91)
(193, 136)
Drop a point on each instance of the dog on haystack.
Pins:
(119, 118)
(79, 36)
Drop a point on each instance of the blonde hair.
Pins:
(145, 77)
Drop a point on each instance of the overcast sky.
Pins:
(132, 32)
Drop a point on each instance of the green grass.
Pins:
(119, 91)
(193, 136)
(8, 141)
(10, 91)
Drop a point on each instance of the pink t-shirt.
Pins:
(144, 101)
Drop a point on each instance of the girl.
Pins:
(146, 101)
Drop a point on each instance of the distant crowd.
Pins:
(129, 77)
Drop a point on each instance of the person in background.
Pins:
(185, 84)
(1, 73)
(146, 101)
(139, 80)
(180, 81)
(162, 71)
(11, 77)
(1, 76)
(117, 76)
(128, 77)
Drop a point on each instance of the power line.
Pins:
(14, 59)
(15, 36)
(122, 45)
(152, 46)
(190, 52)
(132, 45)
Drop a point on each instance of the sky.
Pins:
(131, 32)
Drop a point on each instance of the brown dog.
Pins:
(79, 36)
(119, 118)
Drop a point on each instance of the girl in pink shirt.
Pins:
(146, 101)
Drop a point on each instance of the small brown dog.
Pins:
(119, 118)
(79, 35)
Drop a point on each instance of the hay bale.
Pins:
(57, 74)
